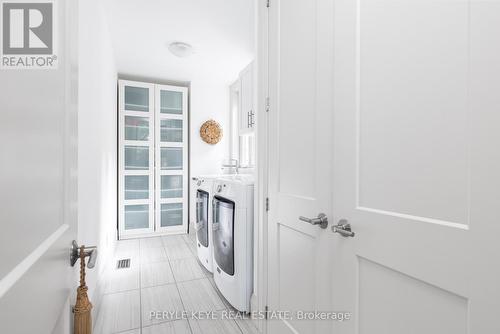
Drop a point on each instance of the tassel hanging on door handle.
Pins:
(83, 307)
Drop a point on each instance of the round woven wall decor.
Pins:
(211, 132)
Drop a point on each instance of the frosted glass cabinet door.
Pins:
(171, 148)
(136, 133)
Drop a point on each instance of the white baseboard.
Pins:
(99, 291)
(254, 307)
(254, 303)
(97, 299)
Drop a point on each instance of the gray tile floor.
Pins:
(164, 275)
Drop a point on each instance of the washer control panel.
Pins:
(220, 187)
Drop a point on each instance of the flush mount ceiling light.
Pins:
(180, 49)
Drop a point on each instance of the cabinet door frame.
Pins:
(246, 121)
(122, 173)
(185, 159)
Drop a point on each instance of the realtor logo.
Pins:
(28, 35)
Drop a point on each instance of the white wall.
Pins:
(222, 35)
(97, 181)
(209, 100)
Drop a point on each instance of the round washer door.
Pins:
(223, 233)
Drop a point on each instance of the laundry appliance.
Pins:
(233, 239)
(203, 193)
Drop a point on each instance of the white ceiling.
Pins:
(220, 31)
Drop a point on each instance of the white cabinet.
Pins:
(243, 118)
(153, 159)
(247, 110)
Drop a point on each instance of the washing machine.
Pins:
(203, 186)
(233, 239)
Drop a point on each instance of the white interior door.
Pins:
(416, 161)
(38, 189)
(300, 157)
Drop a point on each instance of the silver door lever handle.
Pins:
(343, 228)
(90, 252)
(322, 220)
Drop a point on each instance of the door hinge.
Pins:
(268, 104)
(267, 204)
(267, 3)
(266, 311)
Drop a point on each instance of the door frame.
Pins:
(260, 297)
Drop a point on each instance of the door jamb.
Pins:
(261, 96)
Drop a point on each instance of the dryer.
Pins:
(203, 219)
(233, 239)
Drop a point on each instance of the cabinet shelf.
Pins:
(175, 111)
(134, 107)
(145, 127)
